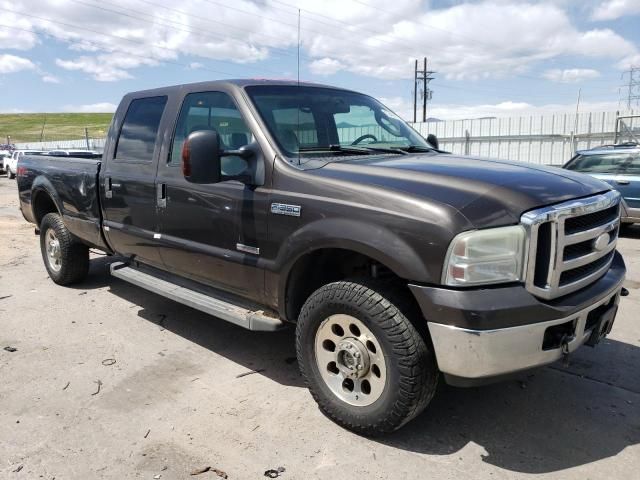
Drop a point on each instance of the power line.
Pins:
(155, 22)
(109, 47)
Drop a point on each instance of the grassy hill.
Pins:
(31, 127)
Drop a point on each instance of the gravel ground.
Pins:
(172, 402)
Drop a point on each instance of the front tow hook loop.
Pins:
(564, 346)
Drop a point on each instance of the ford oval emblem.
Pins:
(600, 243)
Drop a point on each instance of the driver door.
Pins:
(212, 233)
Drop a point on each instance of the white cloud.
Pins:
(571, 75)
(325, 66)
(612, 9)
(12, 64)
(404, 108)
(515, 109)
(105, 67)
(102, 107)
(15, 32)
(50, 79)
(465, 40)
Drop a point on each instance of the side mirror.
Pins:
(433, 141)
(201, 157)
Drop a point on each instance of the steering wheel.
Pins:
(364, 137)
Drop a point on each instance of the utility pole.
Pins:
(415, 91)
(424, 76)
(633, 94)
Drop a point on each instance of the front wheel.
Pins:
(66, 260)
(364, 362)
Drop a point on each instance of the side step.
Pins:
(244, 317)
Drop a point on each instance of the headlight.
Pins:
(483, 257)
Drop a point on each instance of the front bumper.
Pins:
(484, 333)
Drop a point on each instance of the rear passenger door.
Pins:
(128, 181)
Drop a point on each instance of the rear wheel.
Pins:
(10, 174)
(364, 362)
(66, 260)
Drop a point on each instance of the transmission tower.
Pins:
(633, 96)
(424, 76)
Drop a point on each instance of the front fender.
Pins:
(374, 241)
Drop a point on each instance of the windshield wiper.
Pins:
(416, 148)
(386, 150)
(335, 148)
(356, 149)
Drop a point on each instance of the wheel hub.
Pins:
(352, 358)
(54, 254)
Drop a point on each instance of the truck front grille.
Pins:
(571, 244)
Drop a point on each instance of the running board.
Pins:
(244, 317)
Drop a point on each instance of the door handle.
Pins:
(108, 192)
(161, 194)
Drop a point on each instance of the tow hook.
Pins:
(564, 346)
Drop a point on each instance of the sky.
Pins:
(491, 57)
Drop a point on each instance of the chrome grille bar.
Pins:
(553, 285)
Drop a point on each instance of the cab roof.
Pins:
(233, 83)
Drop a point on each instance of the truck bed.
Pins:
(71, 184)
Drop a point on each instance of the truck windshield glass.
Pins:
(314, 122)
(617, 163)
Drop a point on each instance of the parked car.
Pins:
(4, 157)
(618, 165)
(395, 262)
(12, 162)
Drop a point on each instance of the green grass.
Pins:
(28, 127)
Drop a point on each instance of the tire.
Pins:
(66, 260)
(406, 377)
(626, 228)
(10, 174)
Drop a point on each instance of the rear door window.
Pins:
(139, 131)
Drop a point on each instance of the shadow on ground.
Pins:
(553, 419)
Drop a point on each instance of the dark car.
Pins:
(618, 165)
(269, 204)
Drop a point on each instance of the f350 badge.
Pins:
(284, 209)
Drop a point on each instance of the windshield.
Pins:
(313, 122)
(618, 163)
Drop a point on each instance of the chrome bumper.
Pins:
(476, 354)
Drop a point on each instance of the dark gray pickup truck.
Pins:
(269, 203)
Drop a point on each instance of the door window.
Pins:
(137, 139)
(613, 163)
(213, 111)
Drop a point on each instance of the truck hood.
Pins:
(487, 192)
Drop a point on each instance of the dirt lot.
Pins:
(172, 402)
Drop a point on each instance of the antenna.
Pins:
(298, 93)
(298, 47)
